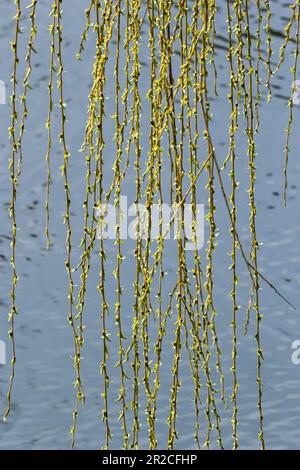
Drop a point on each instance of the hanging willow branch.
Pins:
(26, 83)
(164, 141)
(12, 208)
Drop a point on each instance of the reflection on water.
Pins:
(43, 395)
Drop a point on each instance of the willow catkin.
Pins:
(12, 208)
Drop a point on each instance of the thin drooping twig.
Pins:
(12, 208)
